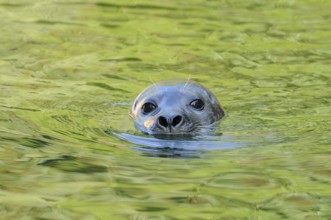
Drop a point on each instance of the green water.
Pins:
(70, 69)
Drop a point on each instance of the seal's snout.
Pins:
(169, 122)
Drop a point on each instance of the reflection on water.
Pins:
(71, 164)
(70, 69)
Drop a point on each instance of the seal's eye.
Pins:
(148, 107)
(197, 104)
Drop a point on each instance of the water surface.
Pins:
(69, 71)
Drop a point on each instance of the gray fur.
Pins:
(172, 98)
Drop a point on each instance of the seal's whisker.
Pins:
(205, 126)
(202, 126)
(187, 81)
(150, 79)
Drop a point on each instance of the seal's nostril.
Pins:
(163, 121)
(176, 120)
(170, 122)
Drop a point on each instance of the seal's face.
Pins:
(175, 107)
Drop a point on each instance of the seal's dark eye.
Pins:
(197, 104)
(148, 107)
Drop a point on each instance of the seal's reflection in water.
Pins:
(193, 147)
(168, 152)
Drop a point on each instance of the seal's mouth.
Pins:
(185, 131)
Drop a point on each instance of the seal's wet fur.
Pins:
(175, 107)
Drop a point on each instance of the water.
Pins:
(69, 71)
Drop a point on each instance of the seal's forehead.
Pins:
(173, 90)
(184, 83)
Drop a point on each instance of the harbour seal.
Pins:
(180, 107)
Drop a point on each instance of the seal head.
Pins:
(175, 107)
